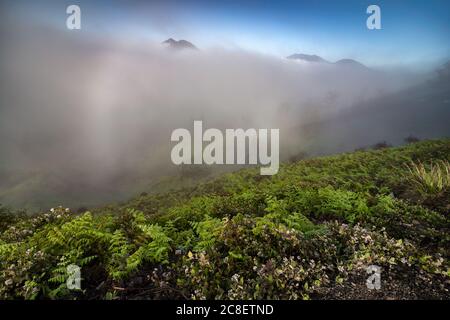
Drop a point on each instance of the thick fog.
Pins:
(86, 120)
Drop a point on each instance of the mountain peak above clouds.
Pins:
(350, 62)
(307, 57)
(179, 45)
(317, 59)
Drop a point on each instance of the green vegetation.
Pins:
(432, 180)
(308, 232)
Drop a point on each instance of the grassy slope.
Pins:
(308, 232)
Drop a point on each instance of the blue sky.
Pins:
(413, 32)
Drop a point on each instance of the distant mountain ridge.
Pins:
(350, 62)
(184, 44)
(179, 45)
(317, 59)
(307, 57)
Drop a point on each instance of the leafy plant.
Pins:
(430, 179)
(308, 232)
